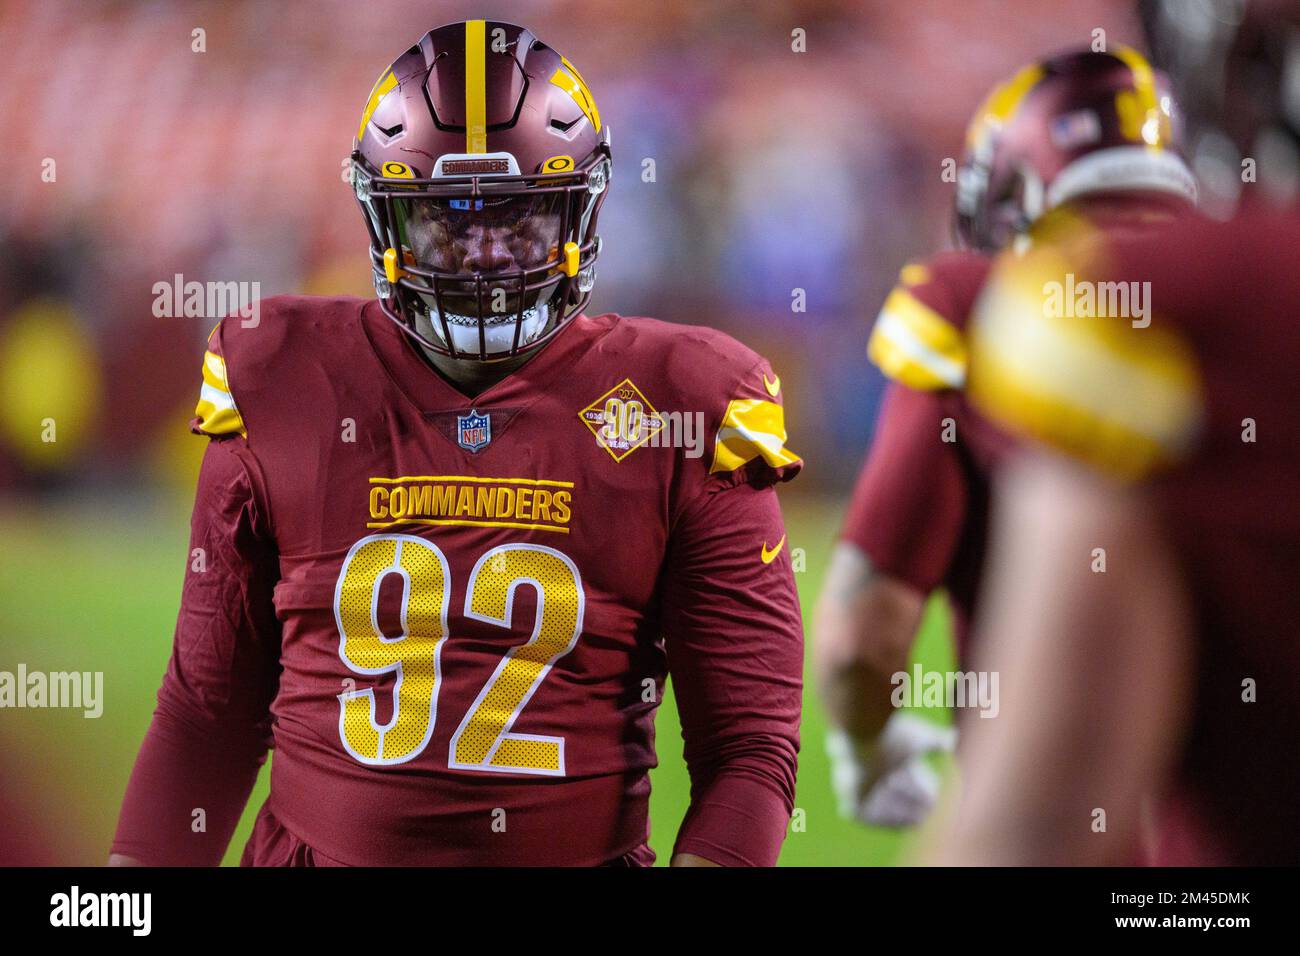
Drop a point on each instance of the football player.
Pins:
(1078, 137)
(1143, 596)
(447, 545)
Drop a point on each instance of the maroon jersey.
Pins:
(1198, 400)
(919, 510)
(454, 617)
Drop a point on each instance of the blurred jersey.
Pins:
(461, 613)
(1199, 402)
(919, 510)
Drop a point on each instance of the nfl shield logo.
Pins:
(473, 431)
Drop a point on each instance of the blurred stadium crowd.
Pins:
(743, 171)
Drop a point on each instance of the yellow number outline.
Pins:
(358, 727)
(487, 714)
(423, 567)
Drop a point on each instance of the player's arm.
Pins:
(734, 637)
(900, 534)
(866, 622)
(733, 633)
(1095, 674)
(211, 730)
(907, 510)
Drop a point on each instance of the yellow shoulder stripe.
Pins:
(914, 273)
(216, 410)
(913, 344)
(751, 427)
(1125, 400)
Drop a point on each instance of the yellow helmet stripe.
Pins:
(475, 86)
(1003, 102)
(1140, 112)
(570, 80)
(1144, 79)
(377, 93)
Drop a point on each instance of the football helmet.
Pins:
(1078, 123)
(481, 165)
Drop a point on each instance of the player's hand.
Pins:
(887, 782)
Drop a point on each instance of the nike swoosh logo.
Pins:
(773, 386)
(770, 556)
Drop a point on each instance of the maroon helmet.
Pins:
(481, 166)
(1076, 124)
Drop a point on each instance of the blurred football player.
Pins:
(1143, 592)
(444, 550)
(1081, 137)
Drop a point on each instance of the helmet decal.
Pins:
(1139, 110)
(1001, 104)
(570, 80)
(386, 82)
(475, 87)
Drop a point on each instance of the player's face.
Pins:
(498, 239)
(485, 236)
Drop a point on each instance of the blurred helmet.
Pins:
(1077, 124)
(481, 165)
(1235, 65)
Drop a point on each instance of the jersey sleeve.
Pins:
(734, 638)
(1118, 393)
(216, 413)
(918, 338)
(911, 497)
(211, 729)
(749, 440)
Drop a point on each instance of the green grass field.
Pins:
(96, 587)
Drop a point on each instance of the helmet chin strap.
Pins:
(498, 336)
